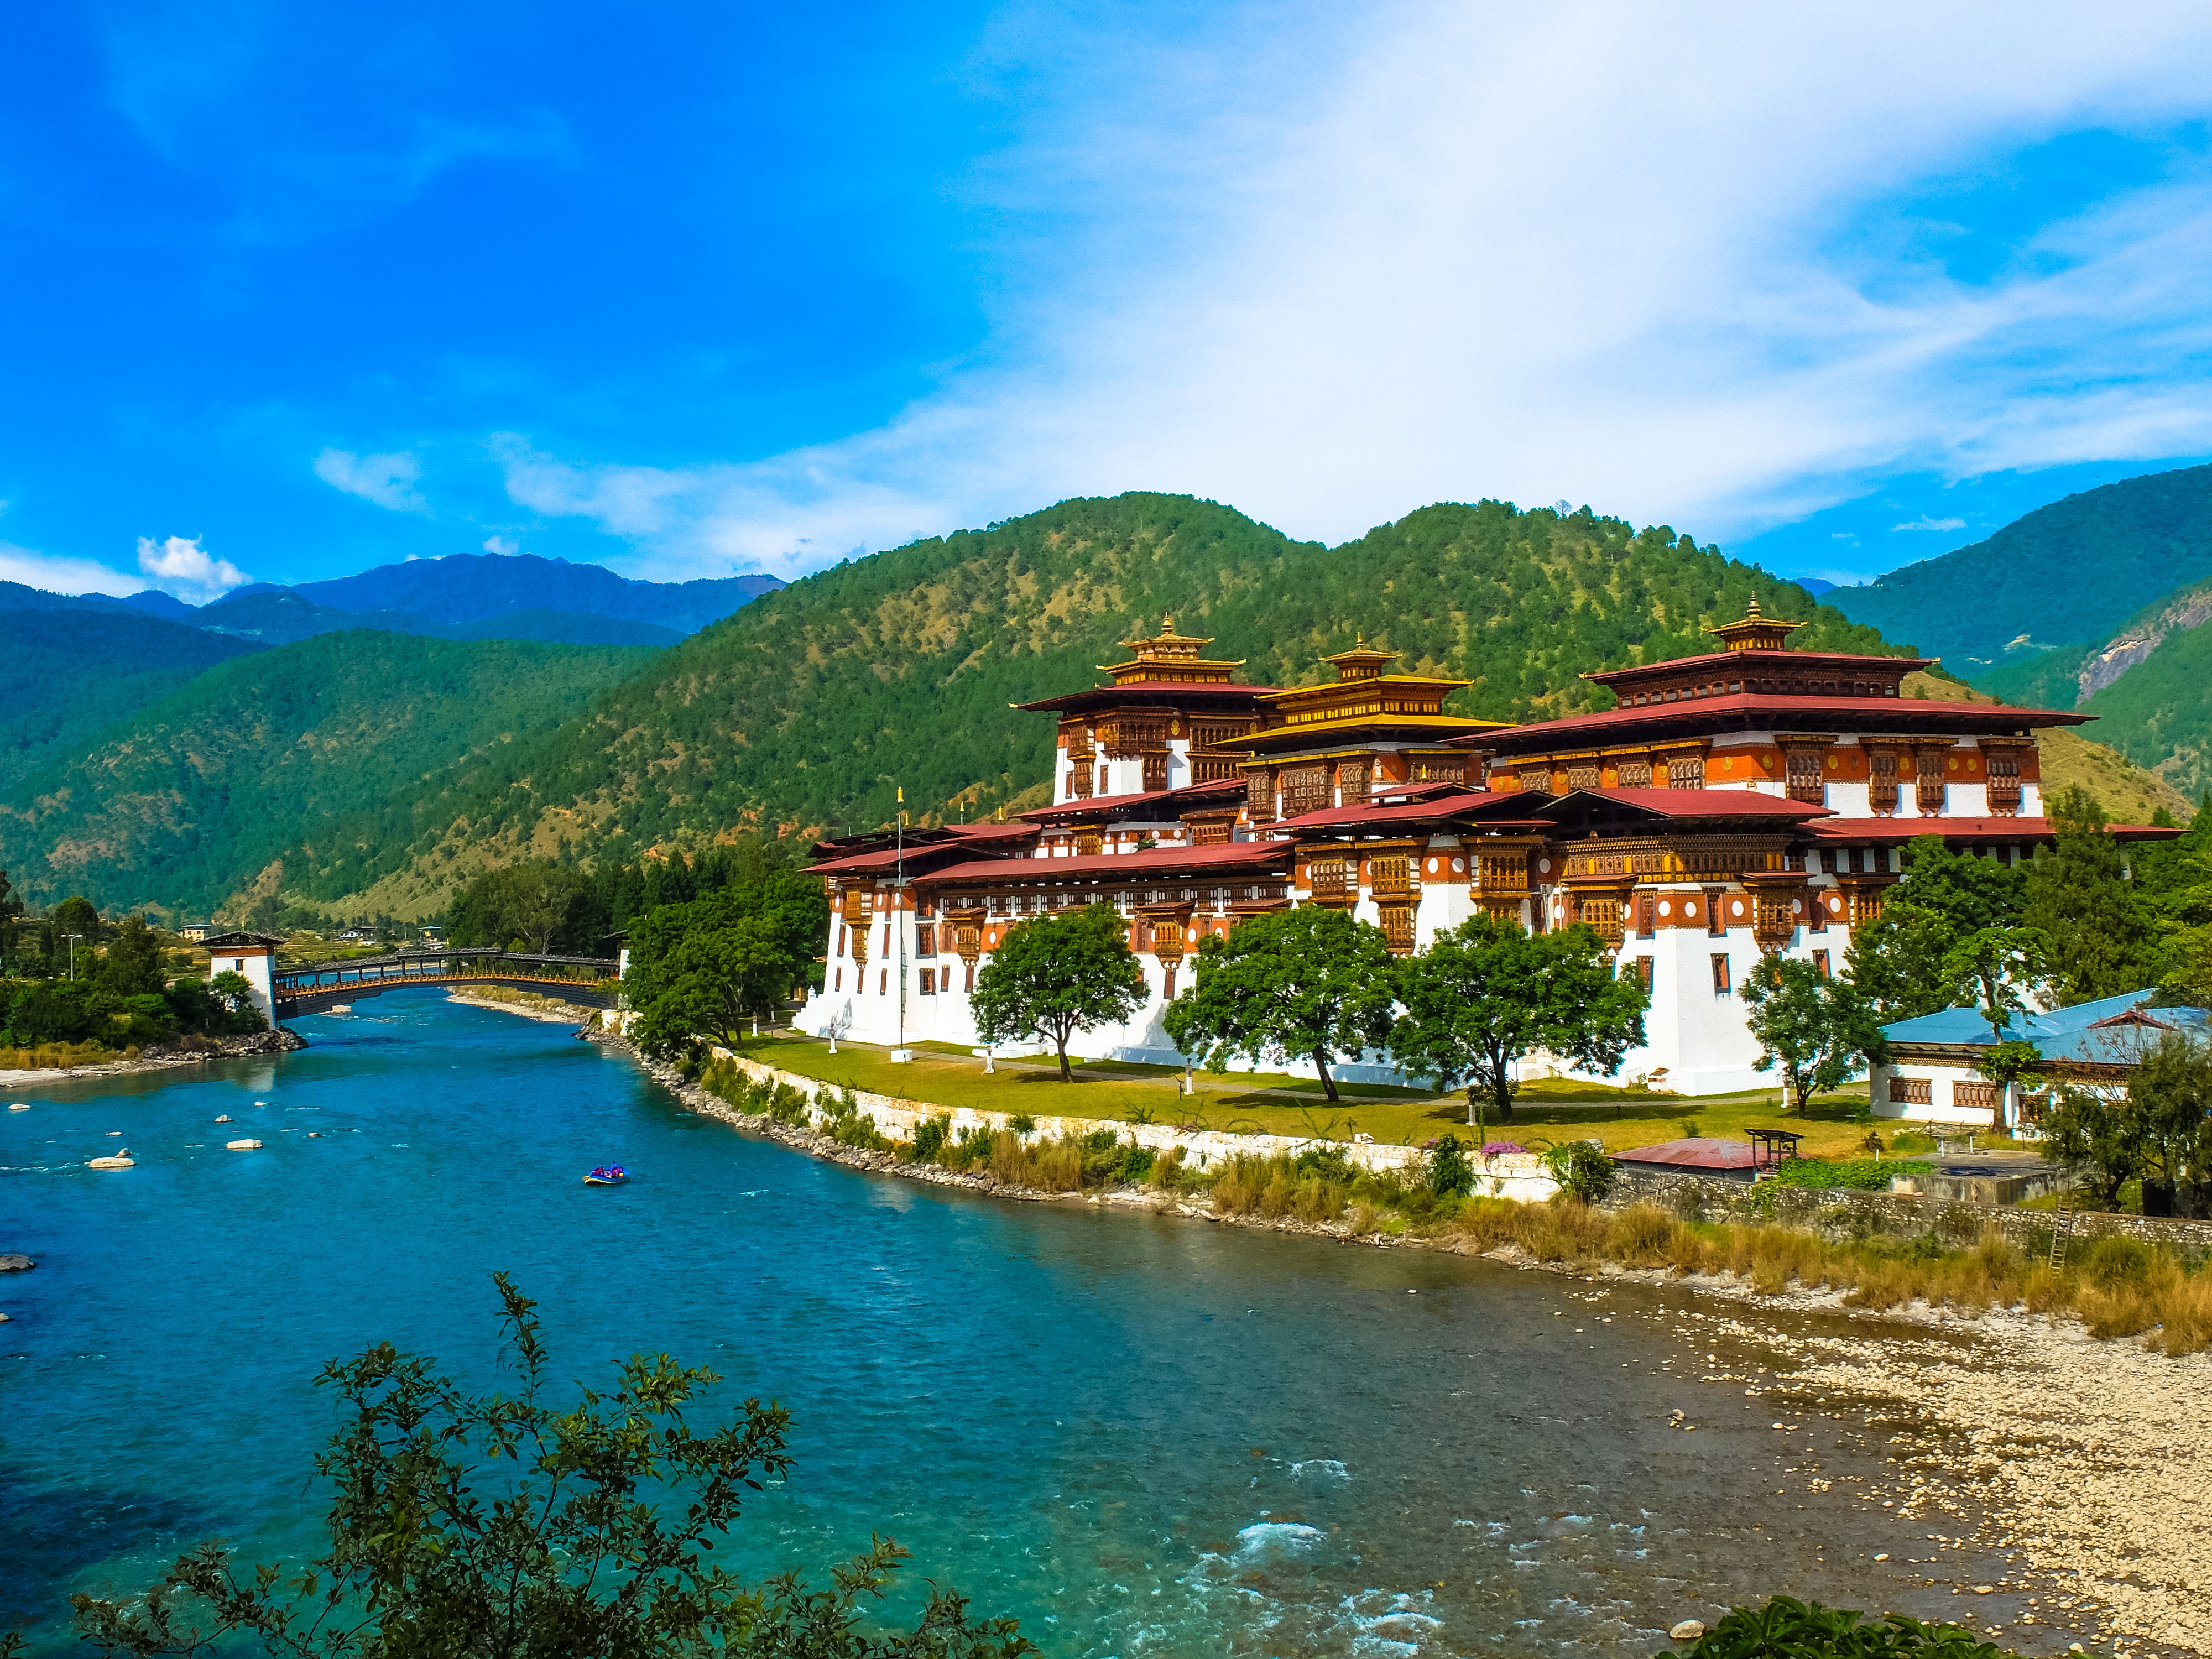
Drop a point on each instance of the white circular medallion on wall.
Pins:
(1458, 865)
(1665, 908)
(1432, 866)
(1690, 908)
(1545, 864)
(1735, 908)
(1796, 907)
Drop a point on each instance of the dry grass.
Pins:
(61, 1056)
(1275, 1186)
(2118, 1287)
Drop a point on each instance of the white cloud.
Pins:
(1923, 522)
(180, 566)
(1331, 280)
(388, 480)
(62, 575)
(502, 546)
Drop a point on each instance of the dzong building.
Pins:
(1749, 800)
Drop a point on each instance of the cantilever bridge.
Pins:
(303, 990)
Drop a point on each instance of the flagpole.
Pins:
(899, 923)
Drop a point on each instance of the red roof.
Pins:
(1162, 690)
(1697, 1153)
(1419, 812)
(1762, 660)
(886, 858)
(1194, 793)
(1782, 712)
(1153, 861)
(1723, 803)
(1989, 829)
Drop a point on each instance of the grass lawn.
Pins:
(1553, 1109)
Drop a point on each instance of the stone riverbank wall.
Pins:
(1517, 1176)
(1845, 1211)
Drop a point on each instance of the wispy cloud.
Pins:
(388, 480)
(181, 566)
(1331, 284)
(500, 545)
(1924, 522)
(62, 575)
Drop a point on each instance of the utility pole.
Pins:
(901, 1053)
(72, 939)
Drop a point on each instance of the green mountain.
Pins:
(2147, 683)
(804, 711)
(294, 767)
(2065, 574)
(68, 670)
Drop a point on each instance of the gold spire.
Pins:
(1168, 656)
(1755, 632)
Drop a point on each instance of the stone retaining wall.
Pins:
(1511, 1175)
(1848, 1210)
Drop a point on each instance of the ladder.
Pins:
(2062, 1227)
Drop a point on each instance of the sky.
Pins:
(690, 290)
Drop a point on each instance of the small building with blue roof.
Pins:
(1931, 1074)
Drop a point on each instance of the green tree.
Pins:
(74, 914)
(132, 964)
(1055, 975)
(2169, 1097)
(703, 969)
(2102, 935)
(1487, 992)
(11, 909)
(1815, 1030)
(532, 902)
(1996, 969)
(1311, 983)
(502, 1526)
(1896, 960)
(2095, 1138)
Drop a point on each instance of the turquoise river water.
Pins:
(1140, 1436)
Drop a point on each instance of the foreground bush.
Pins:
(500, 1525)
(1789, 1629)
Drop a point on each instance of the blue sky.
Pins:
(690, 290)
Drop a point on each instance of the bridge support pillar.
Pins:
(253, 958)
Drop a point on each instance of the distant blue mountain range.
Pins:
(468, 596)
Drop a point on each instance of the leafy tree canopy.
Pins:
(1057, 974)
(1310, 983)
(2102, 936)
(1487, 992)
(1896, 960)
(1817, 1031)
(700, 970)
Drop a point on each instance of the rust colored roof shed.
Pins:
(1718, 1160)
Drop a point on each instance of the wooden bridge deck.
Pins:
(305, 989)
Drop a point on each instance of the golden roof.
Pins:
(1755, 632)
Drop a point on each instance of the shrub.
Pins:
(930, 1136)
(1582, 1168)
(1448, 1171)
(2114, 1262)
(1137, 1163)
(1863, 1174)
(1803, 1630)
(1330, 1163)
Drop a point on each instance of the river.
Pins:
(1139, 1435)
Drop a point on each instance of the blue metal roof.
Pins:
(2112, 1031)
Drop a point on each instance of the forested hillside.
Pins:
(804, 711)
(70, 671)
(2066, 574)
(315, 757)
